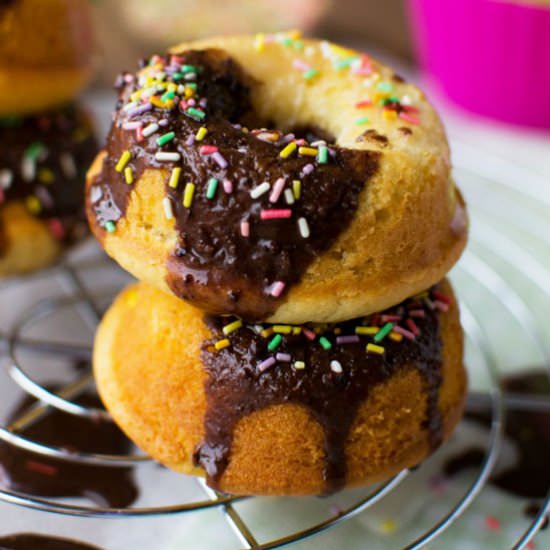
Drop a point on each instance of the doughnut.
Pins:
(45, 53)
(276, 179)
(42, 174)
(264, 409)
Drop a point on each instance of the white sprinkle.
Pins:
(28, 169)
(167, 205)
(129, 106)
(289, 196)
(68, 166)
(245, 229)
(260, 190)
(336, 366)
(318, 142)
(151, 129)
(95, 193)
(277, 288)
(6, 178)
(167, 157)
(190, 76)
(406, 100)
(303, 227)
(278, 187)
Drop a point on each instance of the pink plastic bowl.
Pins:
(489, 56)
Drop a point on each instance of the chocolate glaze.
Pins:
(235, 387)
(64, 148)
(35, 541)
(35, 474)
(214, 266)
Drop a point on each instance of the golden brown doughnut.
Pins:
(174, 394)
(383, 219)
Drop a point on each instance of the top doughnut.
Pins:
(276, 178)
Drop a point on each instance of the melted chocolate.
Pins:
(214, 266)
(44, 164)
(235, 387)
(39, 475)
(35, 541)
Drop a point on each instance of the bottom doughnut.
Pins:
(282, 410)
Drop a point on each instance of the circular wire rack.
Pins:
(481, 265)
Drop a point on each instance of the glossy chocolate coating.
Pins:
(35, 541)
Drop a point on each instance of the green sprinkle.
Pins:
(168, 95)
(383, 332)
(34, 149)
(322, 155)
(345, 63)
(177, 76)
(298, 44)
(195, 113)
(185, 69)
(385, 87)
(287, 42)
(310, 73)
(325, 343)
(110, 226)
(392, 99)
(164, 139)
(212, 186)
(192, 85)
(275, 342)
(361, 120)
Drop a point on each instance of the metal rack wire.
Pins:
(79, 298)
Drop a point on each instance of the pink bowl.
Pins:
(490, 56)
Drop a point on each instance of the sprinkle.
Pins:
(369, 331)
(373, 348)
(6, 178)
(33, 204)
(174, 177)
(195, 114)
(245, 229)
(259, 42)
(413, 326)
(259, 190)
(150, 129)
(307, 151)
(276, 214)
(130, 106)
(278, 187)
(110, 226)
(232, 327)
(404, 332)
(188, 194)
(207, 149)
(407, 117)
(442, 297)
(277, 288)
(345, 63)
(390, 318)
(128, 175)
(361, 120)
(190, 140)
(351, 339)
(383, 332)
(227, 186)
(201, 133)
(325, 343)
(385, 87)
(303, 228)
(275, 342)
(219, 160)
(300, 65)
(139, 110)
(389, 114)
(221, 344)
(282, 329)
(417, 313)
(123, 161)
(266, 332)
(68, 165)
(168, 211)
(132, 125)
(266, 364)
(308, 168)
(289, 197)
(288, 150)
(211, 189)
(492, 523)
(363, 104)
(441, 306)
(395, 337)
(166, 138)
(336, 366)
(299, 365)
(168, 96)
(322, 156)
(56, 228)
(284, 357)
(310, 73)
(297, 188)
(163, 156)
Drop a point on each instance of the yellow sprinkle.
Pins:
(373, 348)
(220, 344)
(296, 330)
(131, 297)
(232, 327)
(188, 194)
(136, 95)
(340, 51)
(33, 205)
(175, 177)
(308, 151)
(337, 330)
(201, 132)
(388, 526)
(299, 365)
(189, 92)
(266, 332)
(157, 102)
(259, 42)
(282, 329)
(45, 175)
(297, 188)
(295, 34)
(288, 150)
(389, 114)
(366, 330)
(123, 161)
(396, 337)
(377, 96)
(128, 175)
(172, 87)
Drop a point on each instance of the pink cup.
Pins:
(489, 56)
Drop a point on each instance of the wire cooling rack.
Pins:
(498, 270)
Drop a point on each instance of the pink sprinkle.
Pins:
(245, 229)
(228, 186)
(390, 318)
(139, 134)
(134, 125)
(492, 523)
(413, 326)
(362, 104)
(404, 332)
(307, 169)
(266, 364)
(409, 118)
(442, 297)
(191, 102)
(219, 160)
(278, 187)
(309, 334)
(285, 357)
(352, 339)
(275, 214)
(300, 65)
(300, 142)
(277, 289)
(128, 78)
(410, 109)
(417, 313)
(207, 149)
(56, 228)
(441, 306)
(203, 102)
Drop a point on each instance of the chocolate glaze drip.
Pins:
(35, 541)
(235, 387)
(45, 158)
(35, 474)
(214, 266)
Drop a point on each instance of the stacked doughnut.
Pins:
(47, 141)
(288, 208)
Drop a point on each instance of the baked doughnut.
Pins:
(346, 209)
(278, 409)
(45, 53)
(42, 174)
